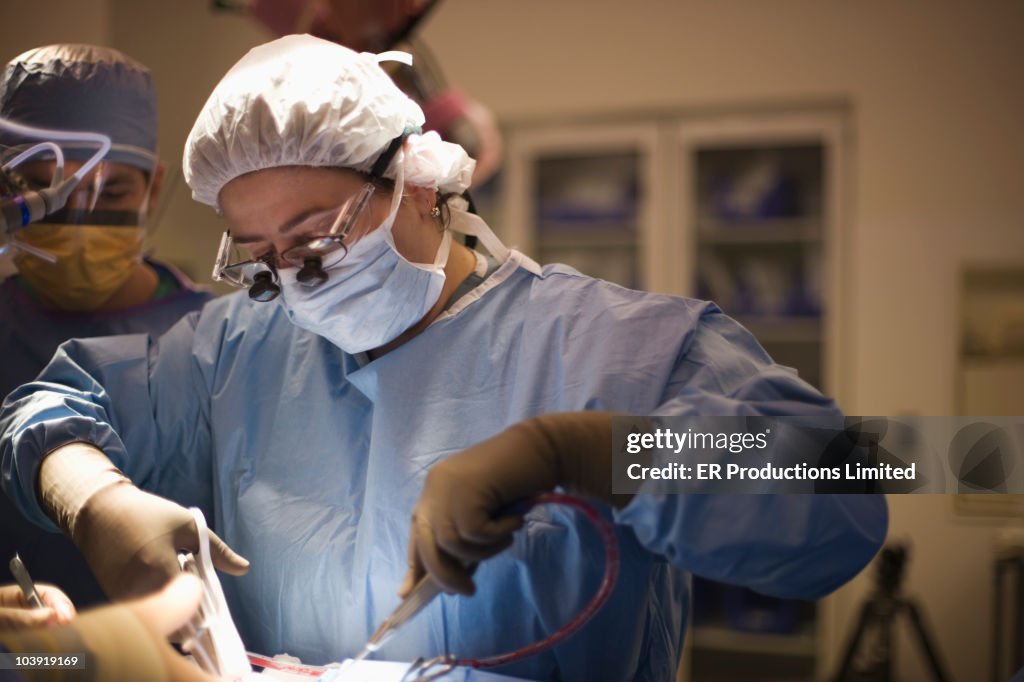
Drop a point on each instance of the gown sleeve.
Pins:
(794, 546)
(144, 402)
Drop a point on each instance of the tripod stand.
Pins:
(877, 618)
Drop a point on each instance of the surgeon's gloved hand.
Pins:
(462, 515)
(131, 539)
(123, 643)
(15, 613)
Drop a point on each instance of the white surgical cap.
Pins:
(303, 101)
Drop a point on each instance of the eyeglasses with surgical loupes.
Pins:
(326, 234)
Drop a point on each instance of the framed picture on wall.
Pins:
(990, 375)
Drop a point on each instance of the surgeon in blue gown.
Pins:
(371, 344)
(100, 284)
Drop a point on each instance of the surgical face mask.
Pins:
(78, 257)
(372, 293)
(92, 262)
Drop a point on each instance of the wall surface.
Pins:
(938, 160)
(24, 25)
(189, 47)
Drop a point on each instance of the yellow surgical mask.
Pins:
(92, 261)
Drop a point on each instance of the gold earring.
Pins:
(435, 212)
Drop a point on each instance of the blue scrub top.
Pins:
(31, 333)
(29, 336)
(308, 462)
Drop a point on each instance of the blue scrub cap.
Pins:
(84, 87)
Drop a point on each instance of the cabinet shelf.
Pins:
(549, 225)
(597, 239)
(982, 359)
(796, 231)
(718, 638)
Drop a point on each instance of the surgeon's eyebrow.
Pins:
(285, 227)
(242, 239)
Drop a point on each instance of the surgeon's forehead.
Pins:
(41, 172)
(263, 202)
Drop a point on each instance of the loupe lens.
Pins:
(312, 273)
(264, 288)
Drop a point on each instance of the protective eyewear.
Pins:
(258, 275)
(323, 234)
(19, 205)
(105, 203)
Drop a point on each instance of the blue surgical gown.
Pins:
(308, 462)
(29, 336)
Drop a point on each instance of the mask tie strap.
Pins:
(473, 225)
(380, 167)
(396, 200)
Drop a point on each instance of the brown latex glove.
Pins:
(459, 520)
(15, 612)
(131, 539)
(121, 643)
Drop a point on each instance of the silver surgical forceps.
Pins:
(424, 592)
(428, 670)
